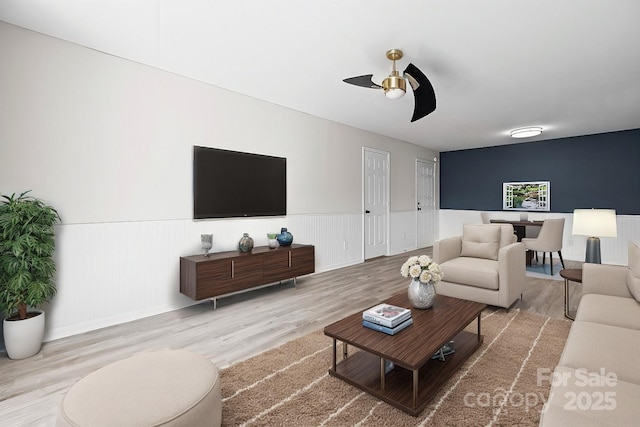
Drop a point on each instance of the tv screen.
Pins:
(230, 184)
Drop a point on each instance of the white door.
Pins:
(376, 202)
(426, 202)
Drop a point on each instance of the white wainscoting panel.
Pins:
(337, 238)
(450, 222)
(613, 250)
(109, 273)
(403, 233)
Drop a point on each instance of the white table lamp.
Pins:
(594, 223)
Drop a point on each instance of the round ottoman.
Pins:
(164, 388)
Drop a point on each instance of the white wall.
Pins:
(614, 250)
(108, 142)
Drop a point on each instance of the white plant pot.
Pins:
(23, 338)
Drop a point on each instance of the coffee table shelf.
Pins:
(362, 369)
(416, 378)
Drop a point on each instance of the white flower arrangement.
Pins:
(422, 268)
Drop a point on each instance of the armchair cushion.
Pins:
(478, 272)
(633, 274)
(480, 241)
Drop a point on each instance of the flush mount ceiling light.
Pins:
(527, 132)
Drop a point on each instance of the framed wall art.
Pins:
(526, 196)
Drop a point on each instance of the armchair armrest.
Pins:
(511, 262)
(605, 279)
(511, 271)
(446, 249)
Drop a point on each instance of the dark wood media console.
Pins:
(224, 273)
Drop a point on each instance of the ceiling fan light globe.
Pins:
(394, 87)
(394, 93)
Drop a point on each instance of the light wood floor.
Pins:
(242, 326)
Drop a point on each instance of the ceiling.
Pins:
(570, 66)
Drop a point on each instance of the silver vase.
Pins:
(420, 294)
(207, 243)
(246, 243)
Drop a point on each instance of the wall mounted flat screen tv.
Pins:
(229, 184)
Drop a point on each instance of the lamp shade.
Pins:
(595, 223)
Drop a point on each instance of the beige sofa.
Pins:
(486, 264)
(597, 381)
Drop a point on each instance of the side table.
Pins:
(573, 275)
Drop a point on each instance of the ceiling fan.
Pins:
(394, 86)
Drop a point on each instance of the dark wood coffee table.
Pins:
(416, 378)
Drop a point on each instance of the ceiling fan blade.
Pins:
(423, 93)
(363, 81)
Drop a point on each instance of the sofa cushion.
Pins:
(585, 399)
(554, 416)
(479, 272)
(609, 310)
(480, 241)
(633, 274)
(594, 347)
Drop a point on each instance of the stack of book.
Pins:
(386, 318)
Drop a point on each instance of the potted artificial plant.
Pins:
(26, 270)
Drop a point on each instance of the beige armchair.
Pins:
(486, 264)
(549, 240)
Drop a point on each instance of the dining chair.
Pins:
(549, 240)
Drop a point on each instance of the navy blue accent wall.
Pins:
(593, 171)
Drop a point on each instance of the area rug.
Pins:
(506, 382)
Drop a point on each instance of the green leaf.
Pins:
(27, 245)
